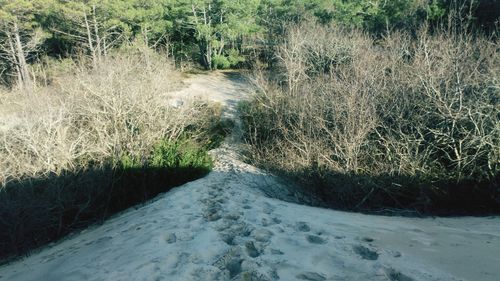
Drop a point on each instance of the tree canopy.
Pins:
(215, 33)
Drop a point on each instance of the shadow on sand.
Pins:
(402, 196)
(36, 211)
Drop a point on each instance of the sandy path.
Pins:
(228, 88)
(224, 227)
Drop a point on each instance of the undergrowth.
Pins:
(91, 142)
(407, 121)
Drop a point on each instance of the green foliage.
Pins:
(217, 26)
(20, 11)
(234, 57)
(229, 60)
(435, 10)
(220, 62)
(128, 161)
(219, 34)
(179, 154)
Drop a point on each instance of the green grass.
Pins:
(181, 154)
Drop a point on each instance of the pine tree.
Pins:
(20, 36)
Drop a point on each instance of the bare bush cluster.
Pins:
(425, 107)
(92, 117)
(91, 141)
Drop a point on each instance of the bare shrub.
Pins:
(92, 142)
(93, 117)
(401, 116)
(448, 109)
(326, 110)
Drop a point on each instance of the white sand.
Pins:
(224, 227)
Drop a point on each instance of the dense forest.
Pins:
(216, 34)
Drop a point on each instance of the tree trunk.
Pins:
(21, 61)
(204, 39)
(12, 52)
(90, 41)
(209, 56)
(206, 54)
(96, 35)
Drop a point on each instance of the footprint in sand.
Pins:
(270, 221)
(267, 208)
(395, 275)
(251, 250)
(365, 253)
(170, 238)
(230, 262)
(276, 252)
(367, 239)
(253, 276)
(212, 210)
(313, 239)
(211, 215)
(242, 229)
(228, 238)
(311, 276)
(262, 235)
(302, 226)
(232, 216)
(221, 200)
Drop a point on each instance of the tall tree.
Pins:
(150, 19)
(84, 23)
(99, 25)
(219, 27)
(20, 37)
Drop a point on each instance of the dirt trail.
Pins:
(225, 227)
